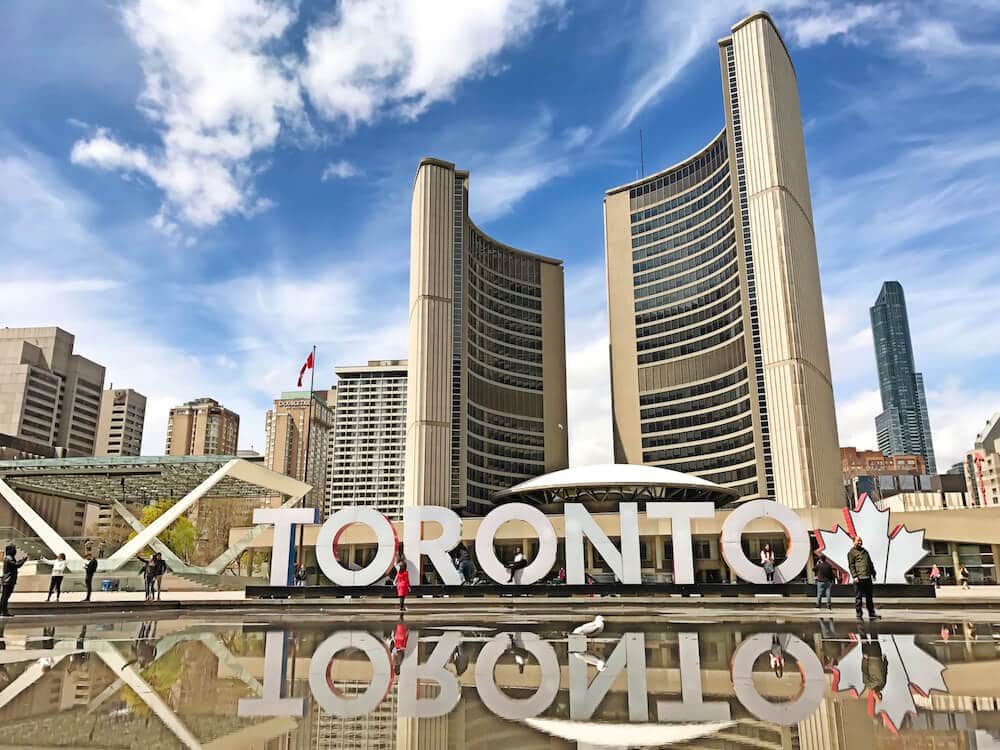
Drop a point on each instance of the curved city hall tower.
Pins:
(486, 399)
(719, 360)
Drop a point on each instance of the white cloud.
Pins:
(402, 56)
(217, 94)
(837, 20)
(342, 170)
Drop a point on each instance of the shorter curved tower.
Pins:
(486, 399)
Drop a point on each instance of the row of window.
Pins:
(504, 365)
(492, 463)
(506, 450)
(503, 282)
(705, 311)
(670, 205)
(503, 420)
(686, 278)
(478, 312)
(503, 295)
(715, 463)
(733, 475)
(692, 420)
(691, 292)
(687, 306)
(702, 449)
(696, 214)
(695, 170)
(691, 334)
(673, 274)
(691, 347)
(698, 389)
(707, 402)
(497, 435)
(704, 233)
(703, 433)
(505, 336)
(502, 260)
(502, 350)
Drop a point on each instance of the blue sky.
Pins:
(202, 191)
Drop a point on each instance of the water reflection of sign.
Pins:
(893, 553)
(905, 666)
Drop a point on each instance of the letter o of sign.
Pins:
(813, 680)
(796, 533)
(496, 518)
(326, 542)
(499, 702)
(322, 685)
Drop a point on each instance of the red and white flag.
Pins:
(307, 366)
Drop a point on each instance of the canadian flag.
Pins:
(307, 366)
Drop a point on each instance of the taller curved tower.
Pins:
(486, 398)
(719, 359)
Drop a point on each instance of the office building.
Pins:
(982, 465)
(202, 427)
(296, 429)
(719, 358)
(119, 427)
(903, 427)
(369, 442)
(49, 397)
(486, 392)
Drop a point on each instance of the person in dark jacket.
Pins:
(159, 570)
(862, 570)
(11, 566)
(824, 583)
(88, 575)
(148, 575)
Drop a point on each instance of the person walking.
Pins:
(159, 570)
(767, 561)
(824, 583)
(963, 577)
(11, 566)
(148, 576)
(88, 575)
(402, 584)
(56, 579)
(936, 576)
(862, 571)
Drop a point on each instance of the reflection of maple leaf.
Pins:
(907, 667)
(893, 553)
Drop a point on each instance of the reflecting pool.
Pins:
(199, 684)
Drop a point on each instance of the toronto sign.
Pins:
(893, 552)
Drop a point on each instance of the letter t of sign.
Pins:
(285, 520)
(680, 515)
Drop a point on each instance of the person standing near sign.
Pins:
(88, 575)
(402, 584)
(11, 566)
(767, 561)
(519, 562)
(56, 579)
(862, 571)
(824, 583)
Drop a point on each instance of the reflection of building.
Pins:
(369, 445)
(49, 396)
(119, 429)
(903, 427)
(719, 359)
(297, 426)
(487, 370)
(982, 465)
(202, 427)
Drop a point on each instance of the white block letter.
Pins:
(437, 549)
(680, 515)
(433, 670)
(496, 518)
(494, 698)
(795, 532)
(385, 538)
(624, 564)
(320, 668)
(691, 707)
(275, 665)
(285, 520)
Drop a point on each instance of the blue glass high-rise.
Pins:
(903, 427)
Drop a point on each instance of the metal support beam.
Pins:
(46, 533)
(173, 561)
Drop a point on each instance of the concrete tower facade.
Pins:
(486, 395)
(719, 359)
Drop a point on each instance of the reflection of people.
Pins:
(767, 560)
(519, 652)
(874, 666)
(402, 584)
(963, 576)
(88, 575)
(460, 659)
(399, 640)
(824, 583)
(862, 570)
(518, 563)
(11, 566)
(56, 579)
(777, 657)
(936, 576)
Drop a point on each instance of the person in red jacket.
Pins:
(402, 584)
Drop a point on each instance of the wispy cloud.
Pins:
(339, 170)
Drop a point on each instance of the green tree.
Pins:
(179, 536)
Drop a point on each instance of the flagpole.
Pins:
(308, 426)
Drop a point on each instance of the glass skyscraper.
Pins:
(903, 427)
